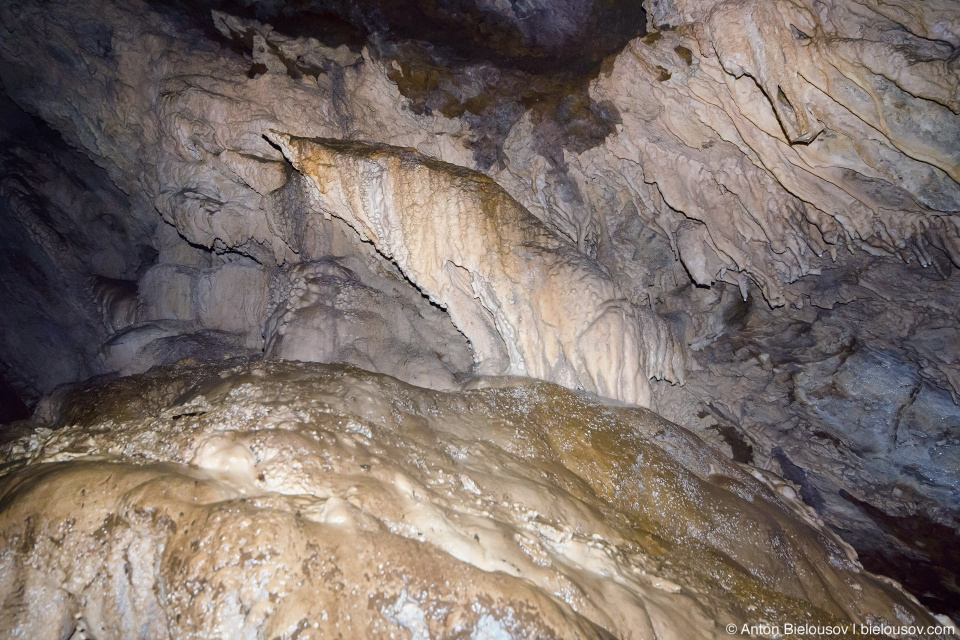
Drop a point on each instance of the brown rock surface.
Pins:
(527, 301)
(301, 500)
(776, 180)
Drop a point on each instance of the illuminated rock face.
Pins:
(791, 153)
(754, 151)
(527, 301)
(765, 135)
(308, 501)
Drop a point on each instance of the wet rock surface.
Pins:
(254, 499)
(775, 182)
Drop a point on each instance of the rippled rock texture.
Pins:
(527, 301)
(754, 154)
(764, 191)
(291, 500)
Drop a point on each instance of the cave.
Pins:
(633, 319)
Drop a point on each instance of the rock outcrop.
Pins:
(842, 397)
(301, 500)
(529, 303)
(327, 312)
(764, 135)
(775, 180)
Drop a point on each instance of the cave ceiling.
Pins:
(743, 215)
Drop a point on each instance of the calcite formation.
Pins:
(527, 301)
(227, 191)
(762, 136)
(327, 312)
(776, 181)
(755, 151)
(293, 500)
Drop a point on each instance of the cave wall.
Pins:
(678, 130)
(773, 185)
(73, 246)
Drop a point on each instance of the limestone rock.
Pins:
(145, 345)
(528, 303)
(847, 398)
(229, 297)
(808, 149)
(327, 313)
(296, 500)
(788, 129)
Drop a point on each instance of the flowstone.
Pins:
(296, 500)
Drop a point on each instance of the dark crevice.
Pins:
(12, 407)
(741, 449)
(927, 560)
(798, 476)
